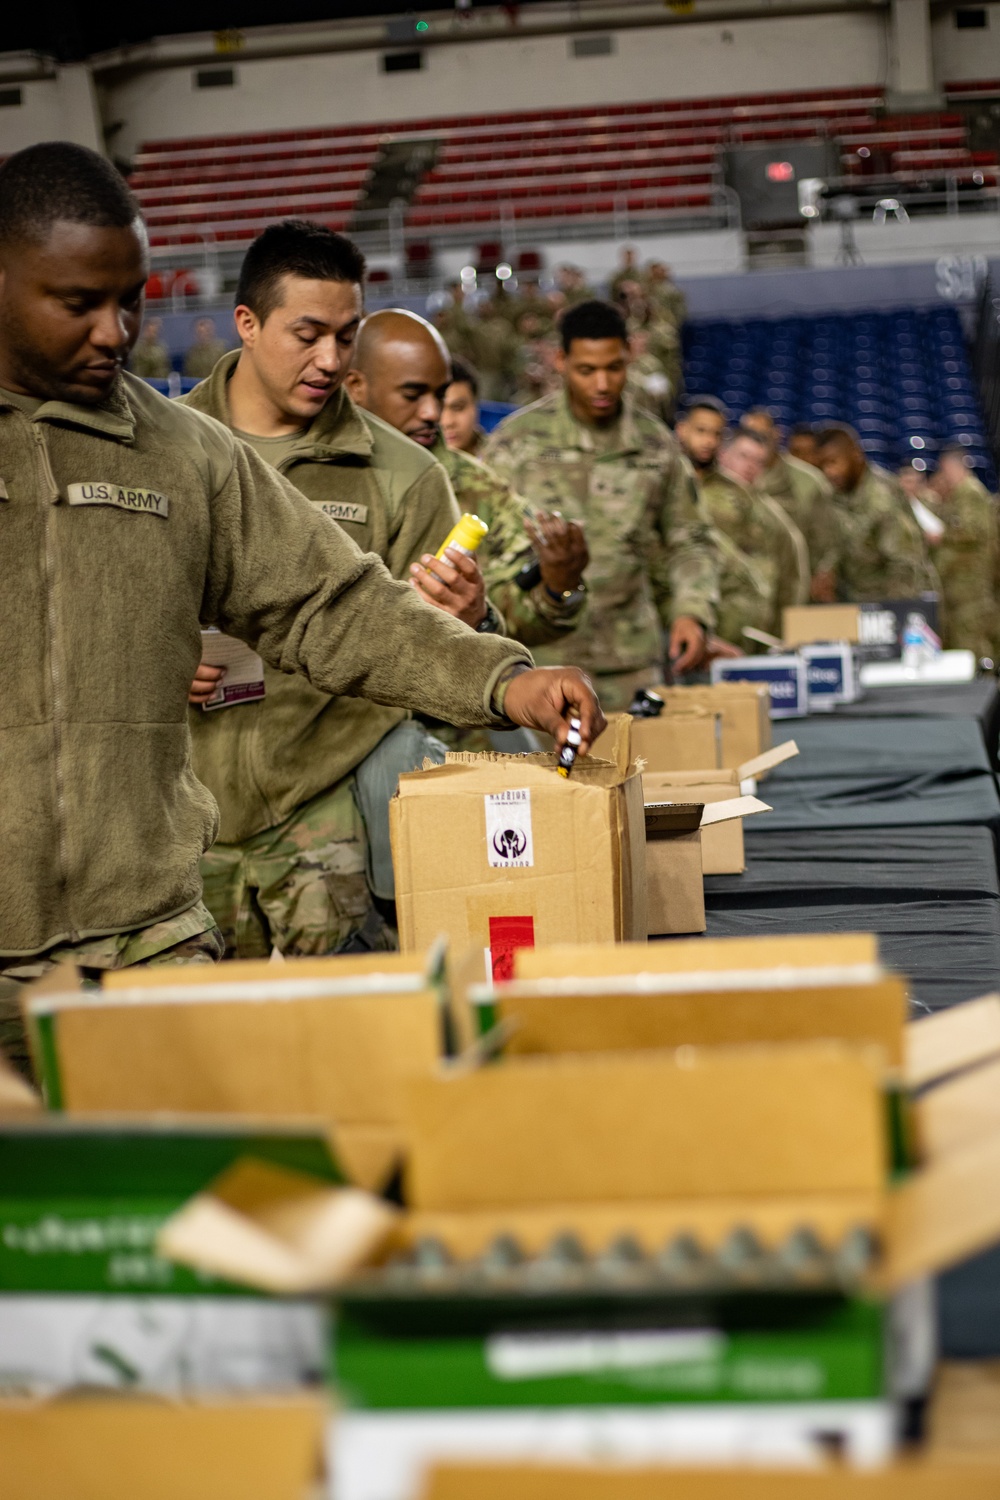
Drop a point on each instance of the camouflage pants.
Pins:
(300, 887)
(189, 938)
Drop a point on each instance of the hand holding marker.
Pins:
(567, 755)
(465, 537)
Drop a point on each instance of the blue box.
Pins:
(831, 674)
(785, 677)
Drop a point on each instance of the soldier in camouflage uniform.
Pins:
(460, 425)
(765, 566)
(966, 555)
(807, 499)
(884, 553)
(151, 357)
(289, 867)
(653, 567)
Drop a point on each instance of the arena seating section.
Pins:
(657, 160)
(902, 379)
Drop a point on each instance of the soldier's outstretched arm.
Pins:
(684, 570)
(300, 591)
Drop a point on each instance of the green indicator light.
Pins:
(423, 26)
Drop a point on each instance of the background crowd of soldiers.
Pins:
(858, 532)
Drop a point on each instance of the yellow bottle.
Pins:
(465, 536)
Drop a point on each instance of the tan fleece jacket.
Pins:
(262, 760)
(123, 527)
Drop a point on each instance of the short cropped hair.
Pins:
(803, 429)
(705, 403)
(463, 373)
(955, 450)
(295, 247)
(592, 320)
(59, 180)
(735, 433)
(840, 434)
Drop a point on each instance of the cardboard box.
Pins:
(501, 852)
(722, 850)
(916, 1479)
(675, 887)
(817, 952)
(684, 739)
(638, 1012)
(805, 624)
(94, 1448)
(325, 1038)
(783, 675)
(746, 715)
(88, 1297)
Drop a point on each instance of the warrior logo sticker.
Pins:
(147, 501)
(509, 843)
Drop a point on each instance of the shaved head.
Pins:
(401, 372)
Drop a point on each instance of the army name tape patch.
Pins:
(339, 510)
(147, 501)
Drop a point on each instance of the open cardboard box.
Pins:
(721, 839)
(675, 836)
(681, 739)
(772, 1138)
(97, 1448)
(500, 852)
(915, 1479)
(324, 1038)
(745, 709)
(849, 1001)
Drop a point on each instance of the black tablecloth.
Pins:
(801, 867)
(881, 773)
(977, 701)
(948, 950)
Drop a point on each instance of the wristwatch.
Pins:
(569, 598)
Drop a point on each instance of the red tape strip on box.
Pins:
(507, 934)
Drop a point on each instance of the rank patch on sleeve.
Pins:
(147, 501)
(340, 510)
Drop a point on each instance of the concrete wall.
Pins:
(63, 108)
(521, 73)
(966, 54)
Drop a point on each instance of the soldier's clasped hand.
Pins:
(561, 549)
(453, 583)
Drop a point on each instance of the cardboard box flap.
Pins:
(623, 1126)
(672, 817)
(956, 1038)
(943, 1214)
(966, 1107)
(17, 1097)
(279, 1231)
(819, 950)
(761, 764)
(103, 1447)
(630, 1015)
(970, 1478)
(735, 807)
(491, 771)
(726, 781)
(804, 624)
(354, 973)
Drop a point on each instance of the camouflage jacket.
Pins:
(262, 760)
(653, 557)
(966, 561)
(764, 568)
(531, 616)
(884, 554)
(806, 496)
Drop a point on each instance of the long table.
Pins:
(888, 821)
